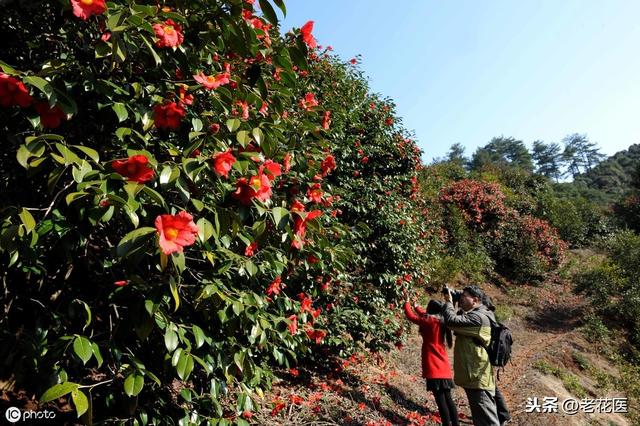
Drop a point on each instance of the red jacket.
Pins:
(435, 362)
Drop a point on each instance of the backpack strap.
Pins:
(491, 325)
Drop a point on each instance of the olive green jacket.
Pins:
(471, 366)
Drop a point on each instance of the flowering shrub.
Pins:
(481, 203)
(372, 172)
(187, 206)
(493, 233)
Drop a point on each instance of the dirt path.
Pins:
(387, 390)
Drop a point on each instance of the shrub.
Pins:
(614, 284)
(521, 247)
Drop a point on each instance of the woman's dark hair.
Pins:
(435, 307)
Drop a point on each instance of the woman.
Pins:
(435, 362)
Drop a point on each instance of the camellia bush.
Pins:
(376, 196)
(191, 201)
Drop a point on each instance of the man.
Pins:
(472, 369)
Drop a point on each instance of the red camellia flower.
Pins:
(275, 287)
(300, 224)
(273, 169)
(328, 164)
(222, 163)
(185, 98)
(176, 232)
(287, 162)
(316, 335)
(388, 121)
(307, 37)
(308, 102)
(135, 168)
(250, 250)
(244, 106)
(121, 283)
(13, 92)
(83, 9)
(168, 115)
(293, 326)
(211, 82)
(50, 118)
(258, 186)
(214, 128)
(169, 34)
(326, 120)
(315, 193)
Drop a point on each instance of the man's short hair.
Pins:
(474, 291)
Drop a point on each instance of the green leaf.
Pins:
(243, 138)
(238, 359)
(268, 12)
(134, 240)
(279, 214)
(298, 58)
(205, 229)
(133, 384)
(199, 335)
(233, 124)
(97, 354)
(197, 124)
(156, 58)
(170, 340)
(282, 6)
(43, 85)
(121, 132)
(251, 268)
(7, 69)
(154, 195)
(68, 155)
(165, 175)
(82, 348)
(103, 49)
(87, 309)
(257, 135)
(91, 153)
(57, 391)
(174, 287)
(176, 357)
(185, 365)
(27, 219)
(121, 111)
(80, 401)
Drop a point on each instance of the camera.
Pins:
(455, 294)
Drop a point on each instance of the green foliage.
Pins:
(614, 175)
(614, 284)
(502, 151)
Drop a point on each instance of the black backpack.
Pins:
(499, 348)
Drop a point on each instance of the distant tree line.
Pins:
(575, 156)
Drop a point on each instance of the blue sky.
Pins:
(466, 71)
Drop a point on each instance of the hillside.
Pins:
(613, 175)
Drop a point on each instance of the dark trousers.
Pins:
(501, 405)
(483, 407)
(446, 407)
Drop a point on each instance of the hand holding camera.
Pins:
(451, 295)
